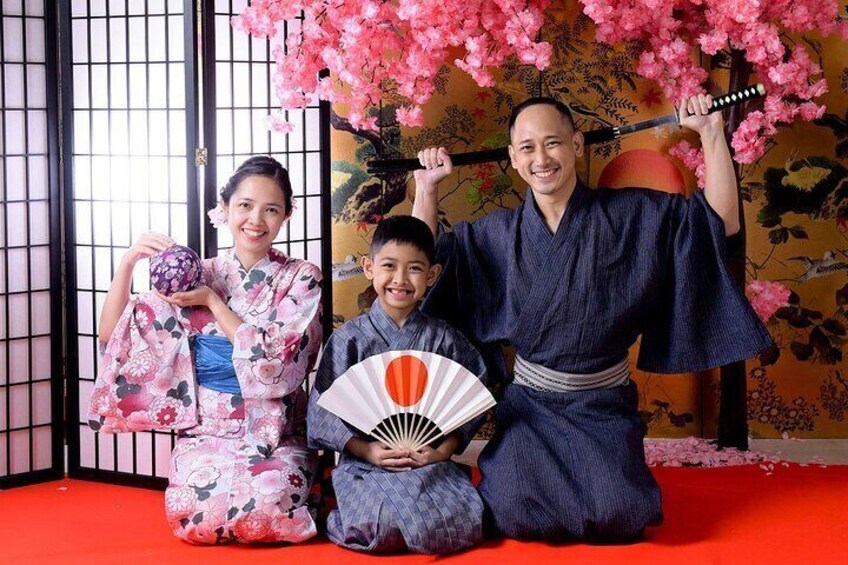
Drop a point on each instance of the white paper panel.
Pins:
(13, 41)
(117, 40)
(99, 77)
(79, 36)
(157, 40)
(312, 213)
(87, 352)
(98, 7)
(84, 276)
(82, 131)
(40, 311)
(39, 223)
(18, 406)
(103, 272)
(176, 48)
(42, 446)
(13, 76)
(117, 8)
(36, 86)
(99, 41)
(106, 449)
(36, 131)
(15, 178)
(18, 270)
(143, 450)
(176, 85)
(41, 403)
(39, 268)
(163, 454)
(35, 52)
(14, 124)
(42, 365)
(12, 7)
(157, 75)
(20, 449)
(84, 312)
(118, 78)
(37, 177)
(222, 37)
(17, 228)
(87, 448)
(126, 454)
(18, 369)
(241, 140)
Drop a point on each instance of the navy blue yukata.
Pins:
(622, 263)
(432, 509)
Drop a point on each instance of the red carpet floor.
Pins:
(735, 515)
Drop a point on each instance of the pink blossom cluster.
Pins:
(671, 29)
(692, 157)
(767, 297)
(390, 49)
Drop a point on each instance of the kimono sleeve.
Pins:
(463, 352)
(272, 359)
(146, 378)
(449, 299)
(325, 430)
(700, 317)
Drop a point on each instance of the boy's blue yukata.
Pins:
(621, 263)
(431, 509)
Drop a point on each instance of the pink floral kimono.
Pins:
(240, 469)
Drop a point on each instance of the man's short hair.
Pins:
(404, 230)
(535, 101)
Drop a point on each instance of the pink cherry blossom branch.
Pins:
(390, 50)
(672, 30)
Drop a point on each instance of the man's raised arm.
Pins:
(437, 165)
(720, 186)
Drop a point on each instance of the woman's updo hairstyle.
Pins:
(263, 166)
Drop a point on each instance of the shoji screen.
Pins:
(30, 299)
(133, 105)
(130, 129)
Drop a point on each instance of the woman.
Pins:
(240, 470)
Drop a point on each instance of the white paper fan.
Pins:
(407, 399)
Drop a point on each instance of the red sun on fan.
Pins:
(406, 380)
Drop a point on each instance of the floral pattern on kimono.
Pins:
(240, 470)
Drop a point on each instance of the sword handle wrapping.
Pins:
(733, 98)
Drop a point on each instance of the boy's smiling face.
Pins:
(401, 274)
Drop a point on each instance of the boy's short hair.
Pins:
(404, 229)
(563, 110)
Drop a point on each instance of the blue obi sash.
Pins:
(214, 359)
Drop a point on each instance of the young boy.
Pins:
(391, 500)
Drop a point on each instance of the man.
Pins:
(570, 279)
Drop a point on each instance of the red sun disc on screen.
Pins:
(406, 380)
(643, 167)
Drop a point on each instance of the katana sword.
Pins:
(387, 166)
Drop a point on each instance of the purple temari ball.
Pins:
(177, 269)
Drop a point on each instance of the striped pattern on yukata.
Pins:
(433, 509)
(569, 465)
